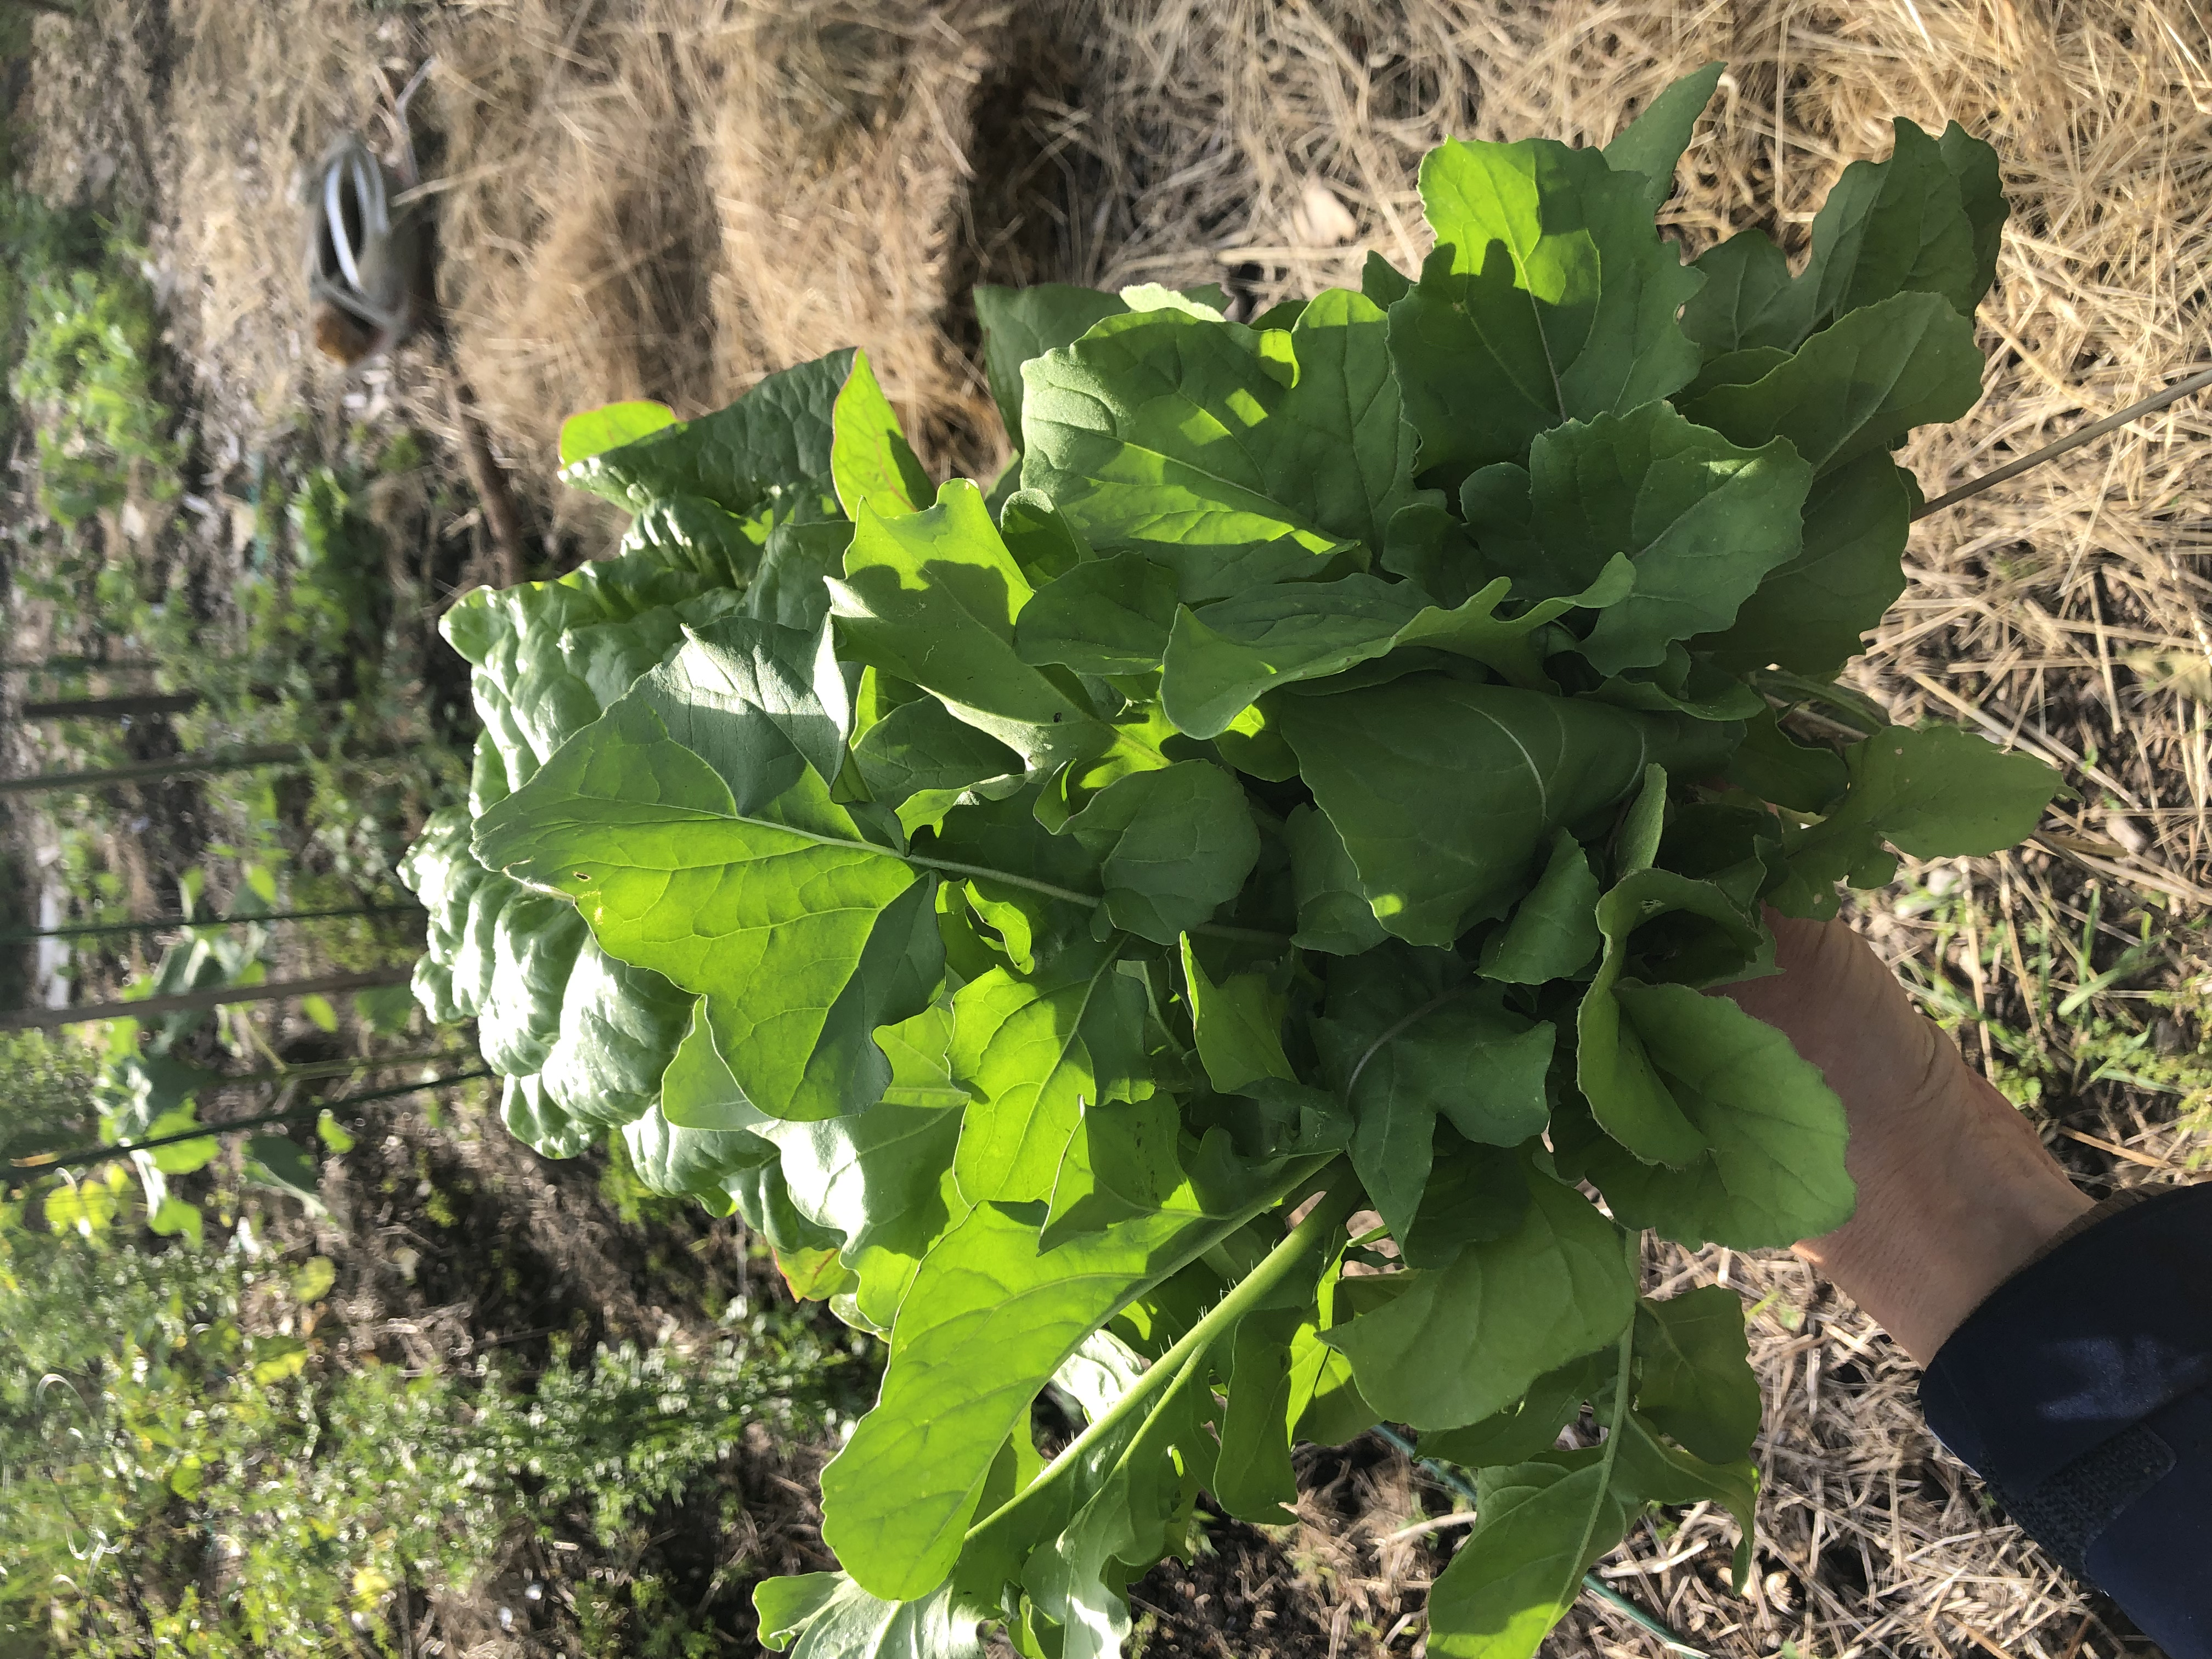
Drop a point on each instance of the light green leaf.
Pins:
(1104, 616)
(595, 431)
(1446, 792)
(898, 1499)
(172, 1217)
(1550, 297)
(1231, 455)
(1772, 1169)
(870, 460)
(1652, 144)
(1034, 1050)
(1553, 933)
(1173, 847)
(1614, 1069)
(825, 1615)
(1022, 323)
(273, 1359)
(1858, 386)
(1467, 1341)
(931, 598)
(775, 907)
(1238, 1025)
(311, 1280)
(1695, 1380)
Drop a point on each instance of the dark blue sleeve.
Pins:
(2082, 1392)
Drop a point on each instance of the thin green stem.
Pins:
(1332, 1210)
(1623, 1377)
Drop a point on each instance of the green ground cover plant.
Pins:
(1319, 781)
(181, 1479)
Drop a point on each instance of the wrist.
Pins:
(1948, 1211)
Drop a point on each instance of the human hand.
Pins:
(1955, 1192)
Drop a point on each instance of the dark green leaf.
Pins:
(1695, 1380)
(1550, 297)
(1022, 323)
(1173, 847)
(1465, 1341)
(1445, 793)
(1857, 387)
(1652, 144)
(1553, 933)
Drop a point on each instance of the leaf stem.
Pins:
(1069, 895)
(1623, 1376)
(2052, 452)
(1331, 1209)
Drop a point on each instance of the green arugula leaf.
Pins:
(932, 597)
(825, 1615)
(897, 1501)
(1550, 297)
(1531, 1424)
(1465, 1341)
(769, 901)
(1652, 144)
(1231, 455)
(1173, 847)
(1237, 1025)
(594, 431)
(1694, 1377)
(870, 461)
(1410, 1035)
(1022, 323)
(1895, 227)
(1858, 386)
(1750, 301)
(1334, 914)
(767, 451)
(1613, 1067)
(1937, 792)
(1810, 615)
(1445, 792)
(1771, 1170)
(1553, 933)
(1106, 617)
(1547, 1522)
(1702, 521)
(1034, 1050)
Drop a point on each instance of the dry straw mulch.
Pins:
(671, 197)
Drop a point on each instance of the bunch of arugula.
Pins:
(1320, 779)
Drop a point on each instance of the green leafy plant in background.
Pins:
(152, 1425)
(1323, 779)
(84, 370)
